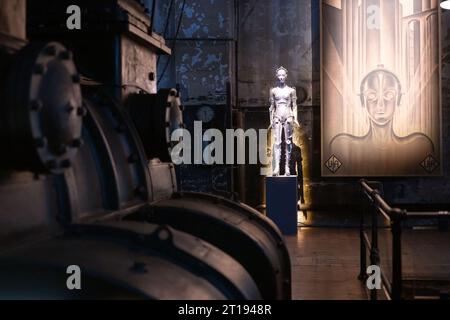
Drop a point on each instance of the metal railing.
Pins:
(395, 217)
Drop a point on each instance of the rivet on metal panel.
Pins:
(36, 105)
(82, 112)
(62, 149)
(164, 235)
(77, 143)
(65, 55)
(70, 107)
(50, 50)
(66, 164)
(52, 165)
(76, 78)
(40, 142)
(39, 69)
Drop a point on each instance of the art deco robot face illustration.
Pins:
(380, 92)
(281, 75)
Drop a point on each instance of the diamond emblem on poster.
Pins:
(430, 164)
(333, 164)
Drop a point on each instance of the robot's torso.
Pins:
(283, 101)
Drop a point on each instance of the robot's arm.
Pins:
(272, 107)
(294, 105)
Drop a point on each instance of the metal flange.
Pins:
(44, 109)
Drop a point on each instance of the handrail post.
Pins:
(397, 257)
(374, 253)
(362, 247)
(363, 250)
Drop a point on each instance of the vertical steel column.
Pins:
(240, 123)
(374, 253)
(240, 116)
(118, 91)
(397, 284)
(152, 17)
(363, 257)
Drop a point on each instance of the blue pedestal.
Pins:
(282, 200)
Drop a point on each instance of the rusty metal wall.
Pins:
(202, 63)
(273, 34)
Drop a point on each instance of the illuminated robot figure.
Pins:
(283, 115)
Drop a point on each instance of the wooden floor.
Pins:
(325, 264)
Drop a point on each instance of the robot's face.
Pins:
(381, 93)
(282, 76)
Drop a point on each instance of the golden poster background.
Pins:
(380, 87)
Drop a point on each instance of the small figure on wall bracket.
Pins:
(283, 116)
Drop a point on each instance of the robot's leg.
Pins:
(277, 130)
(288, 131)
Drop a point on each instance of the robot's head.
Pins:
(281, 74)
(380, 94)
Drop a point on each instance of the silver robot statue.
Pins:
(283, 115)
